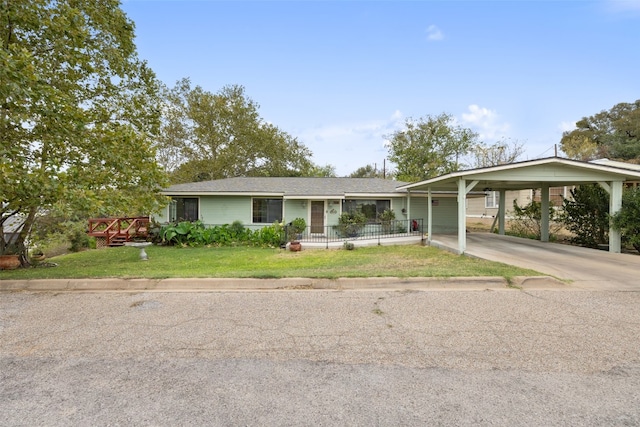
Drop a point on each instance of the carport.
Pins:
(533, 174)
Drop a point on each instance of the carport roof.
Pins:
(554, 171)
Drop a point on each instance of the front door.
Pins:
(317, 216)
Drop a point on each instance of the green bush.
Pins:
(56, 233)
(627, 219)
(196, 234)
(386, 219)
(350, 224)
(586, 215)
(527, 220)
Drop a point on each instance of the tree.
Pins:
(207, 136)
(501, 153)
(429, 147)
(586, 215)
(627, 219)
(613, 133)
(527, 220)
(77, 110)
(326, 171)
(368, 171)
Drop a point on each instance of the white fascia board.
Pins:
(439, 194)
(315, 197)
(373, 195)
(219, 193)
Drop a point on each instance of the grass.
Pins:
(239, 262)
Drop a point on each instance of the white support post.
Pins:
(615, 204)
(284, 209)
(544, 213)
(429, 214)
(502, 203)
(462, 216)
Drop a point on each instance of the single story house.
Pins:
(259, 201)
(441, 202)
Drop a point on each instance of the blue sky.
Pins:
(340, 75)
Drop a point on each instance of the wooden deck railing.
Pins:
(117, 231)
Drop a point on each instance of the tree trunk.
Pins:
(22, 237)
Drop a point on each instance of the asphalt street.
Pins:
(512, 357)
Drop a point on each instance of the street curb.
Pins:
(286, 284)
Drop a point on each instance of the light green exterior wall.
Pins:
(162, 216)
(225, 209)
(444, 210)
(294, 209)
(215, 210)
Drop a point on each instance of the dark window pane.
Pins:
(186, 209)
(267, 211)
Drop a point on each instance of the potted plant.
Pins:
(351, 223)
(36, 255)
(299, 226)
(294, 232)
(10, 257)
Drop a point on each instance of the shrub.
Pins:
(196, 234)
(271, 236)
(627, 219)
(295, 228)
(586, 215)
(527, 220)
(386, 218)
(184, 233)
(351, 223)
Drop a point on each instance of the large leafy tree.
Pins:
(77, 112)
(613, 133)
(429, 147)
(210, 136)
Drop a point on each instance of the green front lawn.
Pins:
(378, 261)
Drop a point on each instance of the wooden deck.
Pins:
(118, 231)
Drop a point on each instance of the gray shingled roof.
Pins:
(290, 186)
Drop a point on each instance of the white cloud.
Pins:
(434, 33)
(486, 122)
(567, 126)
(624, 5)
(348, 146)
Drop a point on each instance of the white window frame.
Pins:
(492, 200)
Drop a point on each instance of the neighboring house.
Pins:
(320, 201)
(622, 165)
(11, 228)
(488, 205)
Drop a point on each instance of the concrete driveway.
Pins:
(586, 268)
